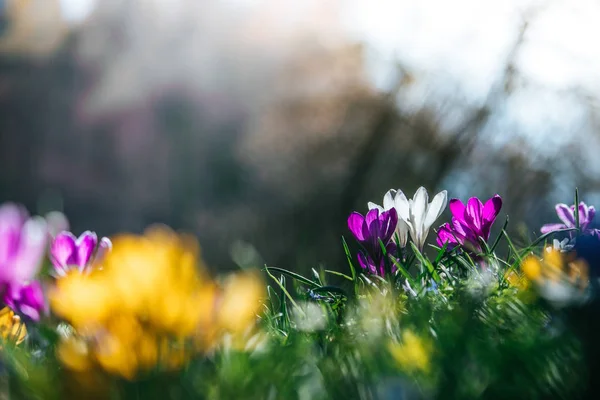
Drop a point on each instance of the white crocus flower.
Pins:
(416, 215)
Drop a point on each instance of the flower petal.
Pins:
(389, 221)
(372, 224)
(27, 300)
(435, 209)
(552, 227)
(12, 218)
(355, 224)
(402, 231)
(583, 214)
(458, 209)
(388, 199)
(445, 235)
(32, 302)
(366, 262)
(32, 247)
(474, 214)
(402, 206)
(63, 250)
(566, 215)
(591, 213)
(371, 206)
(419, 207)
(491, 209)
(86, 244)
(104, 248)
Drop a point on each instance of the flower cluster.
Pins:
(560, 278)
(471, 223)
(149, 305)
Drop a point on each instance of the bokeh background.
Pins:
(260, 124)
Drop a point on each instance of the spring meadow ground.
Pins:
(423, 309)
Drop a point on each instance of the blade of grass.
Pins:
(497, 241)
(512, 247)
(352, 269)
(426, 263)
(294, 275)
(331, 289)
(317, 277)
(284, 290)
(440, 254)
(403, 271)
(546, 235)
(339, 274)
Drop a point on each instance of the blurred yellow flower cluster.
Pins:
(557, 276)
(413, 354)
(151, 305)
(555, 266)
(12, 329)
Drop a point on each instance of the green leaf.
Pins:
(352, 269)
(294, 275)
(512, 247)
(493, 248)
(339, 274)
(403, 271)
(317, 277)
(426, 263)
(330, 289)
(281, 285)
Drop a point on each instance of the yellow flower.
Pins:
(532, 268)
(558, 277)
(555, 267)
(516, 280)
(74, 353)
(116, 356)
(151, 305)
(241, 302)
(413, 353)
(86, 301)
(11, 327)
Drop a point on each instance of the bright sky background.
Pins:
(457, 49)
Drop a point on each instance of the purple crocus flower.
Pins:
(68, 252)
(567, 215)
(22, 248)
(369, 230)
(469, 223)
(27, 299)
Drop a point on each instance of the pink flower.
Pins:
(470, 223)
(68, 251)
(22, 248)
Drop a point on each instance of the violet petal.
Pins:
(32, 248)
(457, 208)
(12, 219)
(355, 224)
(552, 227)
(390, 221)
(474, 213)
(566, 215)
(63, 250)
(104, 248)
(86, 244)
